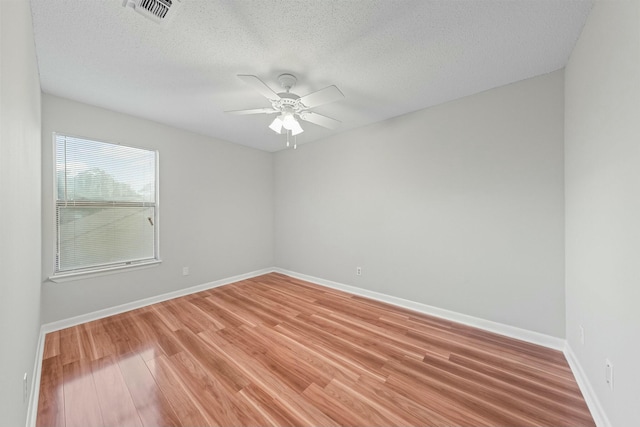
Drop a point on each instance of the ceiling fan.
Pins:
(291, 107)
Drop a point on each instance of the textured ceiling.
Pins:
(387, 57)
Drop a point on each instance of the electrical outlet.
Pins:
(185, 271)
(358, 271)
(581, 335)
(608, 369)
(25, 387)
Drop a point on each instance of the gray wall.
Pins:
(216, 209)
(20, 241)
(459, 206)
(603, 204)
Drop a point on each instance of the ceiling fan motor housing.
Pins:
(290, 100)
(287, 81)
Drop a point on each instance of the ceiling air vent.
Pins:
(160, 11)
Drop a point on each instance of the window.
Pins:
(106, 206)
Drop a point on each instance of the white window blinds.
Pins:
(106, 205)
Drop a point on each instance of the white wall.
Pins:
(216, 209)
(20, 242)
(602, 132)
(459, 206)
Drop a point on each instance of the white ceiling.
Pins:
(387, 57)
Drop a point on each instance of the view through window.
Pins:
(106, 205)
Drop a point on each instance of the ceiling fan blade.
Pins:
(259, 85)
(254, 111)
(320, 120)
(322, 96)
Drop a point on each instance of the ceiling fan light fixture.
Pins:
(276, 125)
(288, 121)
(296, 128)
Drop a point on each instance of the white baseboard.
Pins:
(32, 408)
(590, 397)
(488, 325)
(88, 317)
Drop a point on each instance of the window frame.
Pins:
(81, 273)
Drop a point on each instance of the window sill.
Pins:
(67, 277)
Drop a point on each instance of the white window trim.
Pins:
(66, 276)
(77, 275)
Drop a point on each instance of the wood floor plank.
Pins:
(455, 344)
(411, 411)
(87, 344)
(158, 331)
(328, 367)
(153, 407)
(246, 309)
(116, 404)
(128, 325)
(459, 390)
(348, 365)
(379, 334)
(305, 326)
(51, 345)
(342, 412)
(461, 409)
(536, 373)
(276, 305)
(217, 363)
(270, 382)
(117, 333)
(299, 304)
(206, 388)
(278, 351)
(183, 404)
(365, 338)
(229, 311)
(531, 405)
(82, 407)
(288, 365)
(51, 398)
(70, 346)
(361, 407)
(571, 401)
(271, 409)
(102, 345)
(171, 321)
(197, 321)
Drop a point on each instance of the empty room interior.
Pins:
(366, 212)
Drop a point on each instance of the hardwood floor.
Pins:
(274, 350)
